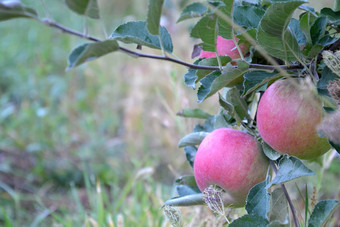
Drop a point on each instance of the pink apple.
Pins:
(287, 117)
(226, 47)
(232, 160)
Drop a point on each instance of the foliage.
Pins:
(282, 47)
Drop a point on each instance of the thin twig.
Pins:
(166, 58)
(287, 197)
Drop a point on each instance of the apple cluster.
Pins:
(287, 118)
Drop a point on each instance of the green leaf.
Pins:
(210, 62)
(319, 33)
(190, 153)
(306, 22)
(188, 200)
(91, 51)
(215, 81)
(279, 207)
(294, 26)
(258, 200)
(249, 221)
(254, 80)
(84, 7)
(224, 28)
(273, 33)
(321, 212)
(333, 17)
(208, 125)
(194, 113)
(193, 10)
(10, 10)
(186, 185)
(311, 50)
(190, 78)
(318, 29)
(136, 32)
(248, 16)
(326, 76)
(205, 89)
(206, 30)
(290, 168)
(239, 107)
(154, 16)
(221, 121)
(270, 152)
(192, 139)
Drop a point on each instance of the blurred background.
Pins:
(97, 145)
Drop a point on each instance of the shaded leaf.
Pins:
(194, 113)
(220, 121)
(190, 77)
(192, 139)
(279, 207)
(84, 7)
(91, 51)
(206, 30)
(154, 16)
(312, 50)
(273, 33)
(322, 210)
(270, 152)
(215, 81)
(306, 22)
(248, 16)
(333, 17)
(136, 32)
(210, 62)
(239, 106)
(318, 29)
(193, 10)
(224, 28)
(190, 153)
(258, 200)
(208, 125)
(205, 89)
(249, 221)
(186, 185)
(294, 25)
(326, 76)
(254, 80)
(11, 10)
(188, 200)
(290, 168)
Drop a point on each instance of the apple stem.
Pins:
(296, 223)
(166, 58)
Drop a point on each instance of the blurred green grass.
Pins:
(110, 124)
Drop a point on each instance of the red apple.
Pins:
(232, 160)
(226, 47)
(287, 117)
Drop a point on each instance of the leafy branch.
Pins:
(164, 57)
